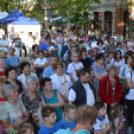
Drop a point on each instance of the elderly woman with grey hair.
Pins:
(33, 100)
(13, 113)
(74, 66)
(110, 87)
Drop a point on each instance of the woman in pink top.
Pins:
(130, 45)
(86, 39)
(42, 40)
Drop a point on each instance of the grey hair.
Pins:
(7, 90)
(73, 54)
(31, 78)
(110, 66)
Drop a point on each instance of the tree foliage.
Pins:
(31, 8)
(76, 11)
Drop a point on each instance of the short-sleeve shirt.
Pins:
(72, 67)
(67, 131)
(130, 95)
(46, 130)
(101, 123)
(59, 84)
(65, 124)
(98, 70)
(39, 61)
(12, 112)
(48, 72)
(118, 64)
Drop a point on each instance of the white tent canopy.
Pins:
(3, 15)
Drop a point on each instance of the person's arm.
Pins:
(61, 102)
(71, 77)
(99, 76)
(129, 82)
(106, 129)
(122, 69)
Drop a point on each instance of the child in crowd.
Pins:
(114, 119)
(50, 126)
(86, 40)
(90, 55)
(40, 63)
(109, 57)
(25, 128)
(102, 125)
(122, 130)
(69, 122)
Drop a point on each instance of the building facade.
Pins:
(112, 16)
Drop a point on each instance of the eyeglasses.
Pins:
(48, 84)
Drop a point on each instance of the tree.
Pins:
(9, 5)
(76, 11)
(32, 8)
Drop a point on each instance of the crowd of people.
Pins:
(72, 83)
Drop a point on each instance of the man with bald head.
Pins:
(4, 43)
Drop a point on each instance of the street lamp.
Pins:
(45, 18)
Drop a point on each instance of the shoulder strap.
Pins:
(55, 92)
(65, 85)
(123, 73)
(74, 66)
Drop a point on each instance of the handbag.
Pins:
(124, 83)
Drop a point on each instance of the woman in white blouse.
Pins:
(118, 60)
(60, 81)
(125, 68)
(74, 66)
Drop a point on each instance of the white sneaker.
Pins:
(129, 130)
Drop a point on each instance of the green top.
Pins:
(54, 99)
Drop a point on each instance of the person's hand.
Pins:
(124, 119)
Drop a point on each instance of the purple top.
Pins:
(41, 42)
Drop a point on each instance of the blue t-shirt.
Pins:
(67, 131)
(65, 124)
(92, 60)
(45, 47)
(46, 130)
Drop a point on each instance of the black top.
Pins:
(86, 62)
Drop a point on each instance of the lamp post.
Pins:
(45, 18)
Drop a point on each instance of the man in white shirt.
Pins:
(82, 91)
(4, 43)
(1, 32)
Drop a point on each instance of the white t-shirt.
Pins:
(22, 79)
(1, 32)
(101, 123)
(122, 62)
(58, 83)
(39, 61)
(122, 69)
(130, 95)
(4, 42)
(72, 67)
(89, 93)
(94, 45)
